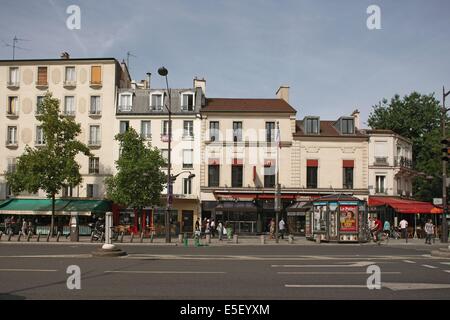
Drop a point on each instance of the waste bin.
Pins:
(74, 227)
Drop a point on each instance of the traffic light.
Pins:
(445, 149)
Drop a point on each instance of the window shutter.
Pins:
(348, 163)
(312, 163)
(42, 76)
(96, 76)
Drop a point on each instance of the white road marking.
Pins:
(448, 271)
(356, 264)
(447, 263)
(408, 261)
(51, 256)
(27, 270)
(343, 272)
(414, 286)
(324, 286)
(168, 272)
(428, 266)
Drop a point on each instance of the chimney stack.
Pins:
(200, 83)
(283, 93)
(355, 115)
(149, 75)
(65, 55)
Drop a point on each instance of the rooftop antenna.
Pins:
(14, 45)
(129, 54)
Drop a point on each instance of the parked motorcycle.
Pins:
(97, 231)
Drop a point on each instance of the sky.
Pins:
(322, 49)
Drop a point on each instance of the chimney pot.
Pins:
(283, 93)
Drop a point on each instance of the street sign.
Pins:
(437, 201)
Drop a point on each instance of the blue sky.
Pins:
(247, 48)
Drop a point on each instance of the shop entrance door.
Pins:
(187, 217)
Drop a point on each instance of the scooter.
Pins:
(97, 231)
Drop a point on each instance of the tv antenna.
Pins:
(15, 46)
(129, 54)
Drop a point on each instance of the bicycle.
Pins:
(383, 236)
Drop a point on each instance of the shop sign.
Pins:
(437, 201)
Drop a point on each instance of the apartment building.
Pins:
(146, 110)
(86, 89)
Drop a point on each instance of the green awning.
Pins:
(62, 206)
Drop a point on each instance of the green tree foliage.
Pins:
(416, 117)
(52, 166)
(139, 180)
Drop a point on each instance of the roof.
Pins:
(337, 197)
(57, 60)
(404, 205)
(247, 105)
(327, 129)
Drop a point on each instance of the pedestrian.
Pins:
(220, 230)
(282, 227)
(387, 228)
(24, 227)
(377, 227)
(404, 229)
(213, 227)
(429, 231)
(207, 228)
(272, 229)
(7, 225)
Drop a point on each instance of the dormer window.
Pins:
(125, 101)
(348, 126)
(312, 125)
(156, 101)
(187, 101)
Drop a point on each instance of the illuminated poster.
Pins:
(348, 218)
(319, 218)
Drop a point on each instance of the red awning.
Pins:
(404, 206)
(312, 163)
(348, 163)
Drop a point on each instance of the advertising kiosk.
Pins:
(337, 218)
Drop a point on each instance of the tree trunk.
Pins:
(52, 223)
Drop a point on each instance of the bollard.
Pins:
(57, 236)
(28, 236)
(38, 237)
(208, 238)
(9, 236)
(1, 234)
(48, 237)
(142, 237)
(180, 238)
(318, 238)
(263, 239)
(185, 240)
(152, 235)
(121, 237)
(20, 236)
(291, 239)
(235, 238)
(132, 236)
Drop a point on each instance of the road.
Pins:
(38, 271)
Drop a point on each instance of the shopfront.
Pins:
(339, 218)
(296, 217)
(241, 216)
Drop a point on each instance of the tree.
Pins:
(416, 117)
(139, 180)
(52, 166)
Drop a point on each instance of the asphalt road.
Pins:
(38, 271)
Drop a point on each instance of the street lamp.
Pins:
(444, 168)
(163, 72)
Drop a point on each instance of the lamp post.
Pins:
(444, 169)
(163, 72)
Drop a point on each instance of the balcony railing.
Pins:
(381, 161)
(124, 108)
(187, 108)
(94, 143)
(70, 83)
(13, 84)
(95, 112)
(69, 113)
(12, 114)
(156, 108)
(403, 162)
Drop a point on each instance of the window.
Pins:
(269, 176)
(39, 104)
(92, 191)
(70, 75)
(94, 165)
(213, 175)
(11, 165)
(237, 131)
(270, 131)
(165, 155)
(67, 192)
(146, 130)
(95, 105)
(187, 102)
(380, 188)
(236, 176)
(188, 128)
(96, 75)
(312, 125)
(69, 105)
(187, 158)
(348, 126)
(42, 76)
(12, 135)
(214, 130)
(156, 102)
(125, 102)
(348, 178)
(187, 186)
(14, 76)
(124, 125)
(94, 135)
(40, 139)
(311, 177)
(12, 105)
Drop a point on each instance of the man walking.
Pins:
(282, 227)
(404, 229)
(429, 230)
